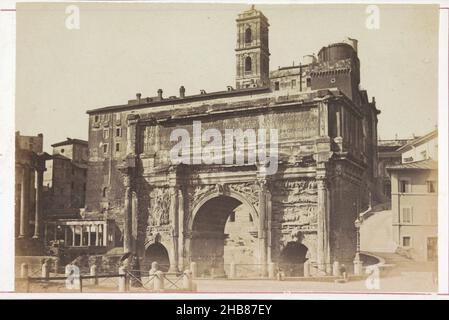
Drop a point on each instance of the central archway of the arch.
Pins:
(221, 235)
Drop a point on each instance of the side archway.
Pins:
(157, 252)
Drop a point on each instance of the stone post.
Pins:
(123, 279)
(56, 265)
(24, 270)
(152, 274)
(24, 201)
(336, 269)
(93, 273)
(45, 270)
(232, 273)
(159, 281)
(187, 280)
(358, 267)
(194, 269)
(272, 270)
(38, 211)
(306, 269)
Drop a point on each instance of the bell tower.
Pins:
(252, 53)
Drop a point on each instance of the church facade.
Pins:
(305, 211)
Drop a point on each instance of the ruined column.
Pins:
(38, 211)
(81, 235)
(97, 235)
(174, 260)
(24, 201)
(73, 228)
(88, 235)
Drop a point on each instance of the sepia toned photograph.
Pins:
(226, 148)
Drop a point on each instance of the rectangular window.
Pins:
(404, 186)
(293, 83)
(308, 82)
(117, 147)
(118, 132)
(276, 86)
(431, 187)
(433, 216)
(105, 134)
(97, 118)
(406, 241)
(105, 147)
(407, 216)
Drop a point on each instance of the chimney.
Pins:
(159, 94)
(138, 95)
(182, 92)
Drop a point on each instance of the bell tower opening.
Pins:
(252, 53)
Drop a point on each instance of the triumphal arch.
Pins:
(161, 167)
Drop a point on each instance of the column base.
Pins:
(173, 270)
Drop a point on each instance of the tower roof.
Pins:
(252, 13)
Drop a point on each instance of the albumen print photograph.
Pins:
(226, 148)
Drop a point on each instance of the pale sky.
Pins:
(122, 49)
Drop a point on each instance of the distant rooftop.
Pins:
(428, 164)
(69, 141)
(420, 140)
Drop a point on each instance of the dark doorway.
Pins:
(292, 259)
(157, 252)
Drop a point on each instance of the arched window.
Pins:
(248, 35)
(104, 192)
(248, 64)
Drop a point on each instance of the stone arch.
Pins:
(232, 194)
(156, 251)
(207, 228)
